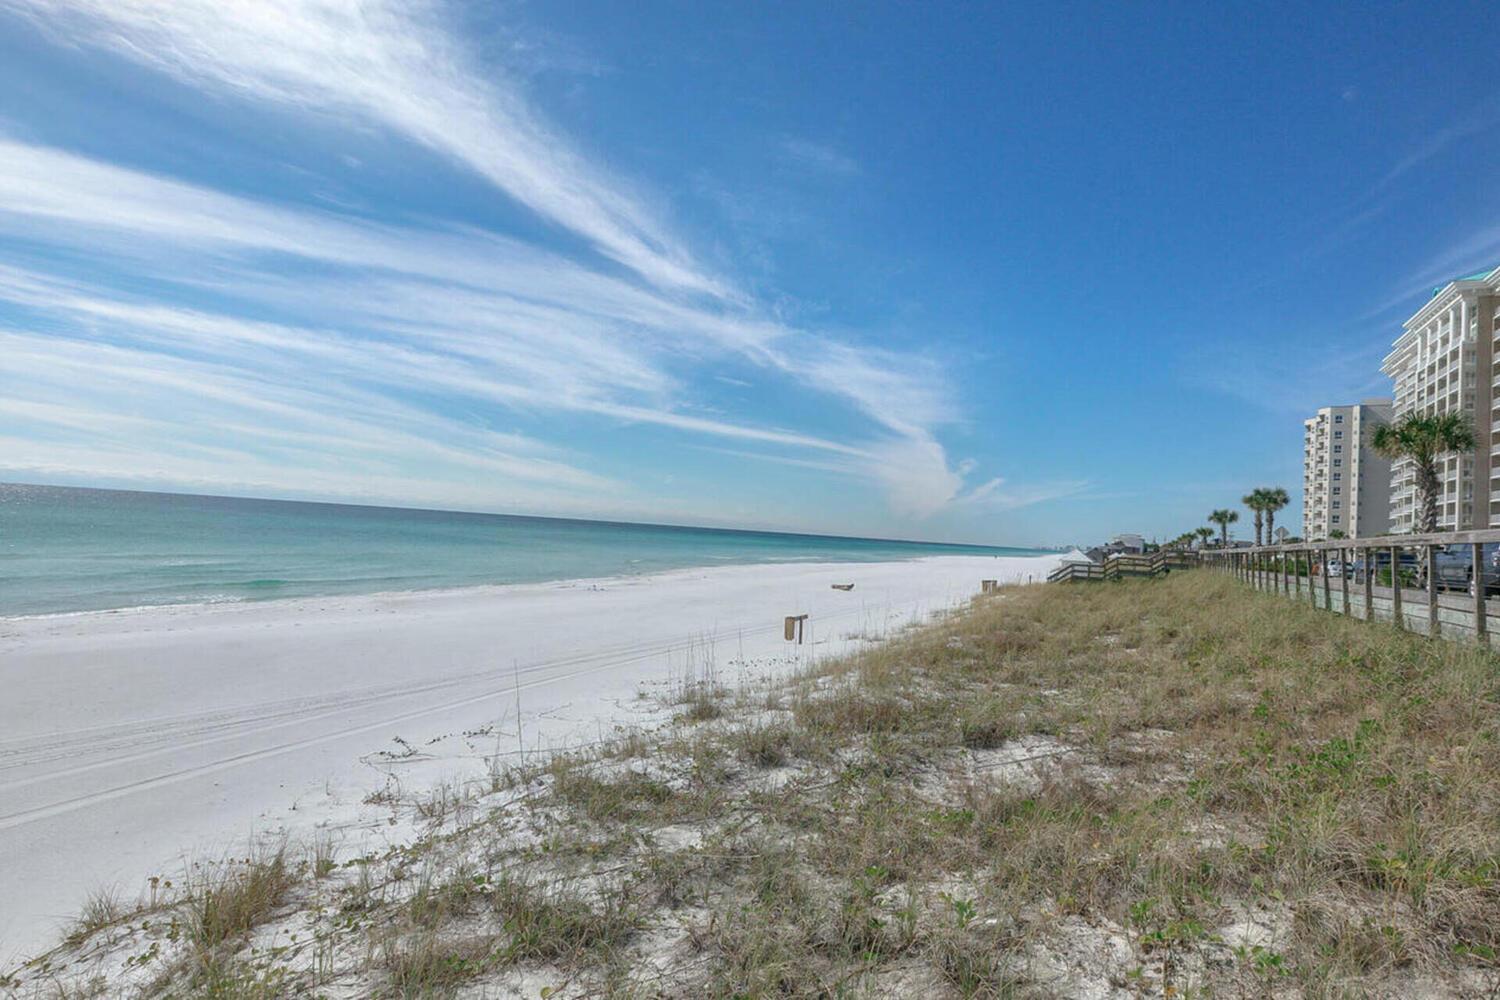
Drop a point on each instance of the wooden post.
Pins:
(1479, 622)
(1286, 586)
(1345, 568)
(1432, 590)
(1369, 571)
(1327, 595)
(793, 628)
(1396, 614)
(1312, 588)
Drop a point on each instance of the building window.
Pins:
(1338, 489)
(1336, 521)
(1337, 462)
(1337, 448)
(1338, 435)
(1338, 418)
(1337, 476)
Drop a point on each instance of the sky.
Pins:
(1017, 274)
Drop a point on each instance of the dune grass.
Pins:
(1175, 787)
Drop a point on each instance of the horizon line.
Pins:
(542, 517)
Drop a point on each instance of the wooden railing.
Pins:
(1123, 565)
(1433, 589)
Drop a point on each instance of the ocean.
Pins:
(64, 549)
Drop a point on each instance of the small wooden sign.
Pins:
(794, 627)
(988, 586)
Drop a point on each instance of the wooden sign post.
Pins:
(794, 627)
(988, 586)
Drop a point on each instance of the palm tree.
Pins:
(1255, 500)
(1274, 499)
(1422, 441)
(1203, 534)
(1224, 518)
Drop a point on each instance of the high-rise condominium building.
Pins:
(1445, 362)
(1345, 484)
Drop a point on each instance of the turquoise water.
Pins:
(65, 549)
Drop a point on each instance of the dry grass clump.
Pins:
(103, 908)
(552, 923)
(426, 963)
(474, 925)
(227, 900)
(767, 744)
(621, 798)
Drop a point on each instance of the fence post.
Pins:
(1478, 576)
(1327, 597)
(1432, 591)
(1396, 614)
(1369, 572)
(1286, 585)
(1312, 590)
(1345, 568)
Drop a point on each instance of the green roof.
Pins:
(1468, 277)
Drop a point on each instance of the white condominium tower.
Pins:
(1444, 362)
(1345, 484)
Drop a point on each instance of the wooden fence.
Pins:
(1423, 583)
(1123, 565)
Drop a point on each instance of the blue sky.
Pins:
(1025, 274)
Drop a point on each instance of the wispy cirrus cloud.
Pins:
(1440, 140)
(403, 345)
(817, 157)
(392, 64)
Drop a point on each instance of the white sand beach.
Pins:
(132, 742)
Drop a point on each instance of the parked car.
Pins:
(1454, 568)
(1383, 565)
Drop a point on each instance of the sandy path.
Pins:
(130, 741)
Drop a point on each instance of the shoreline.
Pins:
(190, 727)
(475, 587)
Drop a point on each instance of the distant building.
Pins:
(1127, 543)
(1443, 363)
(1345, 483)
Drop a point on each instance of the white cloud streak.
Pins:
(393, 65)
(462, 312)
(395, 314)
